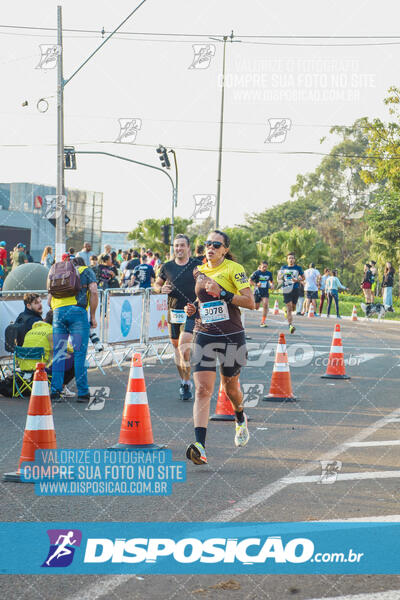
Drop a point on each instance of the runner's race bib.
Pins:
(177, 316)
(213, 312)
(263, 284)
(288, 282)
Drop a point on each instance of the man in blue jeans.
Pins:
(71, 318)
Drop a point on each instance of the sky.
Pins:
(304, 84)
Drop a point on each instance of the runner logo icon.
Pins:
(126, 318)
(62, 547)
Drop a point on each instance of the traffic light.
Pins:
(53, 221)
(165, 234)
(163, 156)
(69, 158)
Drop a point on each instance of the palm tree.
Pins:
(305, 243)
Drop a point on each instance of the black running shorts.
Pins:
(312, 295)
(293, 296)
(229, 350)
(175, 329)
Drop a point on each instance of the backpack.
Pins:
(14, 333)
(63, 280)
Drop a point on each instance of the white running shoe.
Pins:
(68, 393)
(242, 433)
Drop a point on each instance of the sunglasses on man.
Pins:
(215, 245)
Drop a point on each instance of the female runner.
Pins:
(221, 287)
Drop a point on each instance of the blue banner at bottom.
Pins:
(196, 548)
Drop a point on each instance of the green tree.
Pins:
(148, 233)
(305, 243)
(243, 248)
(384, 226)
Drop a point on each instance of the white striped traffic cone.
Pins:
(39, 429)
(136, 432)
(281, 385)
(354, 314)
(311, 312)
(276, 308)
(336, 368)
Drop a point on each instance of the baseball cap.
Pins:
(65, 256)
(2, 244)
(20, 245)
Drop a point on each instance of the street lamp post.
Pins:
(61, 83)
(60, 211)
(221, 127)
(174, 203)
(221, 132)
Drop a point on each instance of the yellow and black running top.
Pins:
(217, 317)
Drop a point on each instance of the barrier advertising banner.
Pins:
(158, 315)
(125, 318)
(9, 311)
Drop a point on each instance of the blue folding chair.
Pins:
(23, 380)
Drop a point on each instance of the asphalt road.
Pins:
(276, 477)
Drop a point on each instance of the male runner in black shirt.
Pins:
(176, 279)
(264, 282)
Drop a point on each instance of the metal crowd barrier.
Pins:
(128, 320)
(156, 334)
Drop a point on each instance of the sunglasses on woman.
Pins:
(215, 245)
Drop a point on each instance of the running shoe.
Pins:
(57, 397)
(242, 433)
(196, 453)
(263, 324)
(186, 393)
(285, 312)
(84, 398)
(292, 328)
(68, 393)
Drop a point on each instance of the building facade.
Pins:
(23, 217)
(117, 240)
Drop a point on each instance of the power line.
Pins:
(246, 38)
(227, 150)
(207, 35)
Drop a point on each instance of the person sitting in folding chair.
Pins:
(41, 337)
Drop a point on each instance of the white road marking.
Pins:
(366, 444)
(387, 518)
(110, 583)
(271, 489)
(389, 595)
(101, 588)
(346, 347)
(361, 358)
(345, 476)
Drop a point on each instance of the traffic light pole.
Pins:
(61, 83)
(174, 203)
(60, 211)
(138, 162)
(221, 132)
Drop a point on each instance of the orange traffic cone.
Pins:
(136, 432)
(336, 368)
(39, 429)
(311, 312)
(276, 308)
(224, 410)
(281, 385)
(354, 314)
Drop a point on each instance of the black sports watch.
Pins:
(225, 295)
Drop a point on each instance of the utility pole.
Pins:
(221, 129)
(60, 210)
(61, 83)
(221, 133)
(174, 203)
